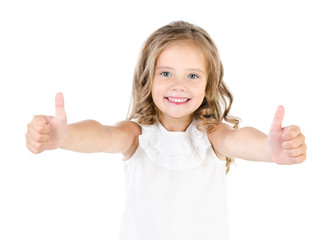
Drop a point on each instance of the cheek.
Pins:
(157, 89)
(200, 91)
(201, 96)
(156, 94)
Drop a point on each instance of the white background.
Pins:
(274, 52)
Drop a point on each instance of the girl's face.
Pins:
(179, 83)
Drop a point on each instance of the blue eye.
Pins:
(192, 76)
(165, 74)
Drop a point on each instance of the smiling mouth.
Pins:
(177, 100)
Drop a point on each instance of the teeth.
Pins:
(179, 100)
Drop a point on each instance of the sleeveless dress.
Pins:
(175, 188)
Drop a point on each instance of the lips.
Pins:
(177, 100)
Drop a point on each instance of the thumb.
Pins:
(59, 107)
(278, 119)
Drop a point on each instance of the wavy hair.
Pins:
(218, 99)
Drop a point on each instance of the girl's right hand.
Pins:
(47, 132)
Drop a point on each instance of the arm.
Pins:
(282, 145)
(47, 133)
(246, 143)
(90, 136)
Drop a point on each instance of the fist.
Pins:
(47, 132)
(286, 145)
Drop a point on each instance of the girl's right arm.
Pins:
(47, 133)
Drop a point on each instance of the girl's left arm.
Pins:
(282, 145)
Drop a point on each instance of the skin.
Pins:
(180, 75)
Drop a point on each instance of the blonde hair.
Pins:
(218, 99)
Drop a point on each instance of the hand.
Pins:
(46, 132)
(286, 145)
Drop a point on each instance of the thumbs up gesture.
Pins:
(47, 132)
(287, 144)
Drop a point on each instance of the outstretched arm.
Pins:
(282, 145)
(52, 132)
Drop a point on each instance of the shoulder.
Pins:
(221, 130)
(130, 127)
(131, 130)
(220, 138)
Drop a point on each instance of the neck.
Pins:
(176, 125)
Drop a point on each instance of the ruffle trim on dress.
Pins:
(174, 150)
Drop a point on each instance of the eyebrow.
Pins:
(189, 69)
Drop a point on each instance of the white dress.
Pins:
(175, 188)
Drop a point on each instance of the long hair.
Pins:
(218, 99)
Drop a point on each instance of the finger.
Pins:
(295, 142)
(38, 137)
(31, 149)
(59, 107)
(38, 146)
(299, 159)
(40, 124)
(295, 152)
(34, 148)
(278, 119)
(291, 132)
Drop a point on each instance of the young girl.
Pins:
(175, 144)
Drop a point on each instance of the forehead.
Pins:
(180, 53)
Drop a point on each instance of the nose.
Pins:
(178, 84)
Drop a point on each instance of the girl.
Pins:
(176, 145)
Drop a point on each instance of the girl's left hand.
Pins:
(286, 145)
